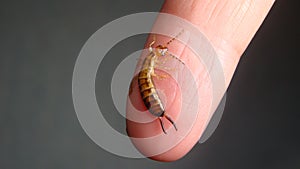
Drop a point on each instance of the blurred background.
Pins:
(40, 41)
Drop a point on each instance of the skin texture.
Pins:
(229, 25)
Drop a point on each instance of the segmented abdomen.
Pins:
(148, 91)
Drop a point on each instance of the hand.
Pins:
(229, 25)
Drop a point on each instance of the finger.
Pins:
(229, 25)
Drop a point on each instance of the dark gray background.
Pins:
(40, 41)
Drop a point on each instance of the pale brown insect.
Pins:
(147, 87)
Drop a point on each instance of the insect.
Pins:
(147, 87)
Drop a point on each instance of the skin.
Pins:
(229, 25)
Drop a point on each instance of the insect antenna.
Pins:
(171, 42)
(175, 37)
(174, 57)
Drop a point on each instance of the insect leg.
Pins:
(171, 59)
(160, 77)
(164, 67)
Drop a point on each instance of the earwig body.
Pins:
(147, 88)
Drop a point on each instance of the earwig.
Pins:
(147, 88)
